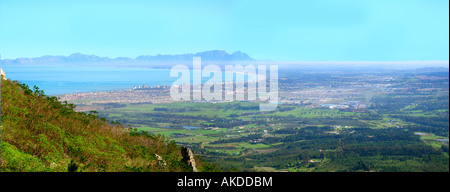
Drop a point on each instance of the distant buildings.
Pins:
(144, 87)
(346, 105)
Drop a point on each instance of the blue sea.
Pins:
(63, 80)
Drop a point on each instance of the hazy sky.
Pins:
(297, 30)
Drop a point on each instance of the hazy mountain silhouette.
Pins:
(214, 55)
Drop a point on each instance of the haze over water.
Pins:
(63, 80)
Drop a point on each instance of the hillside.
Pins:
(39, 133)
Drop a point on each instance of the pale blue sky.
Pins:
(297, 30)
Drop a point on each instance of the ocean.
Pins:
(64, 80)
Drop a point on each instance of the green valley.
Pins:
(348, 133)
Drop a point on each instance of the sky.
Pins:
(295, 30)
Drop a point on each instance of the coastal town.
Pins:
(334, 92)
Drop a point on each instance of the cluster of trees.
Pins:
(174, 110)
(433, 122)
(114, 105)
(391, 103)
(238, 139)
(356, 149)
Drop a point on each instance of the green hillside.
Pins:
(40, 133)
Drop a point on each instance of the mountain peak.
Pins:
(213, 55)
(238, 55)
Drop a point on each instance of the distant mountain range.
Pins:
(214, 55)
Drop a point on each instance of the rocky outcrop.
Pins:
(188, 158)
(161, 163)
(3, 74)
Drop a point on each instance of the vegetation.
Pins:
(404, 126)
(39, 133)
(294, 139)
(391, 122)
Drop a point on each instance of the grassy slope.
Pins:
(39, 133)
